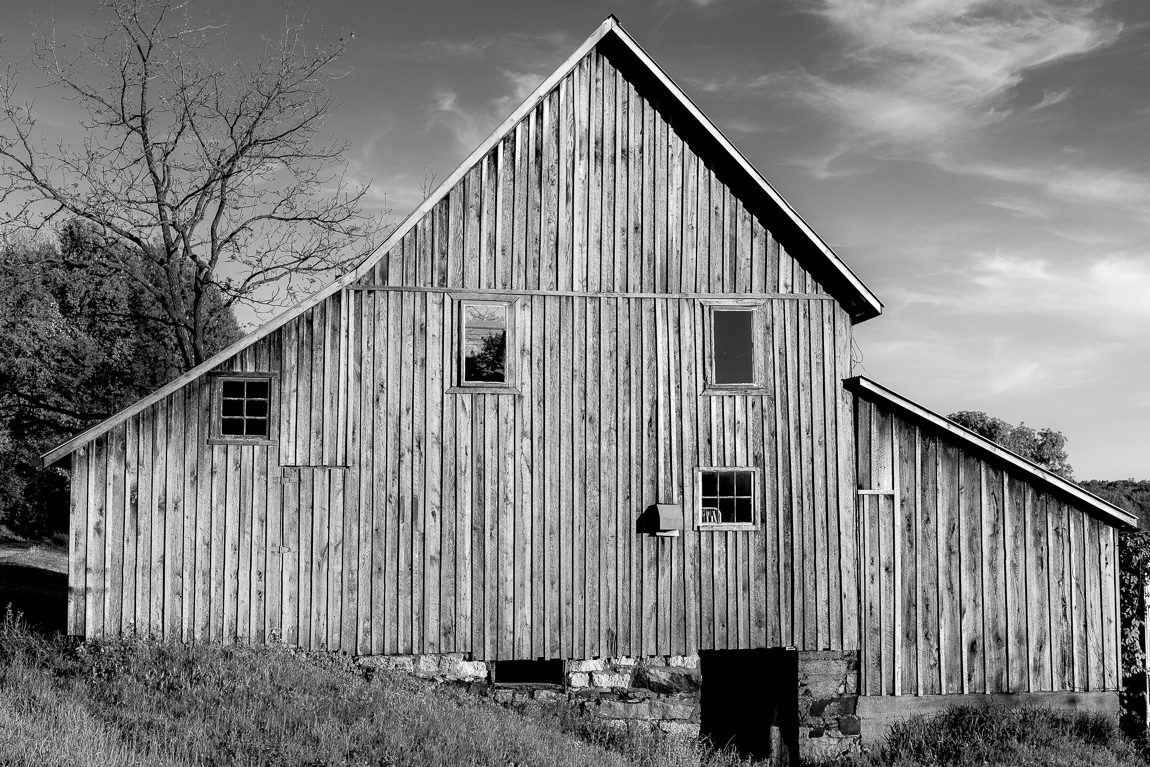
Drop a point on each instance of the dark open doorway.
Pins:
(746, 695)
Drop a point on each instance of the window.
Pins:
(736, 356)
(486, 335)
(728, 498)
(527, 672)
(243, 406)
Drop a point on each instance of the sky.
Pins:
(982, 165)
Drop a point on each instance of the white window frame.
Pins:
(756, 499)
(509, 384)
(760, 338)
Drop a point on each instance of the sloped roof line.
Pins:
(1114, 515)
(609, 26)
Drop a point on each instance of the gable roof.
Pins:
(1110, 513)
(860, 302)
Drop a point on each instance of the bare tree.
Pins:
(218, 175)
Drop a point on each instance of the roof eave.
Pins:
(1120, 518)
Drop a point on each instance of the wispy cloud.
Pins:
(925, 72)
(471, 124)
(1021, 206)
(1050, 98)
(1105, 186)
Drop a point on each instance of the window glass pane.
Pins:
(743, 510)
(256, 407)
(233, 388)
(258, 389)
(742, 483)
(727, 509)
(232, 407)
(257, 427)
(232, 426)
(485, 343)
(710, 483)
(726, 483)
(733, 336)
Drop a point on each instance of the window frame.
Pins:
(756, 499)
(215, 431)
(760, 337)
(509, 385)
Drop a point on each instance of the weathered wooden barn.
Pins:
(592, 401)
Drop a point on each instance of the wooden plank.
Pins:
(830, 380)
(927, 549)
(650, 471)
(675, 213)
(995, 623)
(888, 585)
(620, 157)
(578, 414)
(449, 566)
(663, 462)
(433, 473)
(540, 513)
(79, 500)
(1037, 592)
(1095, 675)
(246, 523)
(550, 184)
(634, 190)
(233, 524)
(217, 545)
(949, 569)
(971, 525)
(374, 481)
(519, 207)
(364, 640)
(624, 465)
(116, 501)
(810, 553)
(873, 666)
(659, 183)
(552, 505)
(146, 497)
(566, 479)
(691, 537)
(407, 457)
(391, 318)
(612, 515)
(347, 628)
(767, 552)
(160, 518)
(1061, 629)
(680, 476)
(505, 561)
(907, 579)
(95, 589)
(820, 545)
(565, 116)
(1108, 565)
(418, 467)
(785, 420)
(848, 521)
(579, 212)
(651, 150)
(505, 203)
(191, 441)
(591, 457)
(492, 472)
(523, 535)
(1018, 661)
(174, 528)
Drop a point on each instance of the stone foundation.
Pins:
(828, 704)
(661, 692)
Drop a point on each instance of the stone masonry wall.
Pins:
(828, 703)
(660, 692)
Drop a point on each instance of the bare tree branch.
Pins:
(199, 165)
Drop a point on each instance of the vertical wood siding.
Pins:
(975, 580)
(395, 515)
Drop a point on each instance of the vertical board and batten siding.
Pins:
(396, 514)
(975, 579)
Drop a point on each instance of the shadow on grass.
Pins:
(41, 595)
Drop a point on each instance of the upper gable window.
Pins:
(485, 338)
(243, 408)
(736, 337)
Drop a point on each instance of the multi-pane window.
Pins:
(485, 335)
(727, 497)
(243, 408)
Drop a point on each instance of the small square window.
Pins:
(486, 338)
(736, 340)
(728, 498)
(243, 408)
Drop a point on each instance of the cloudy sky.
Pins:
(981, 164)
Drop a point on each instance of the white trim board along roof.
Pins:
(858, 299)
(1109, 512)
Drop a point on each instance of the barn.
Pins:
(586, 421)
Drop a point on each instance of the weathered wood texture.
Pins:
(398, 515)
(975, 579)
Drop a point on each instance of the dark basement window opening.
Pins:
(528, 672)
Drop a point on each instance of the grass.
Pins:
(145, 702)
(995, 736)
(141, 702)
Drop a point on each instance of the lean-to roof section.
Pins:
(861, 304)
(1091, 503)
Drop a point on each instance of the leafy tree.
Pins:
(78, 342)
(1045, 447)
(219, 176)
